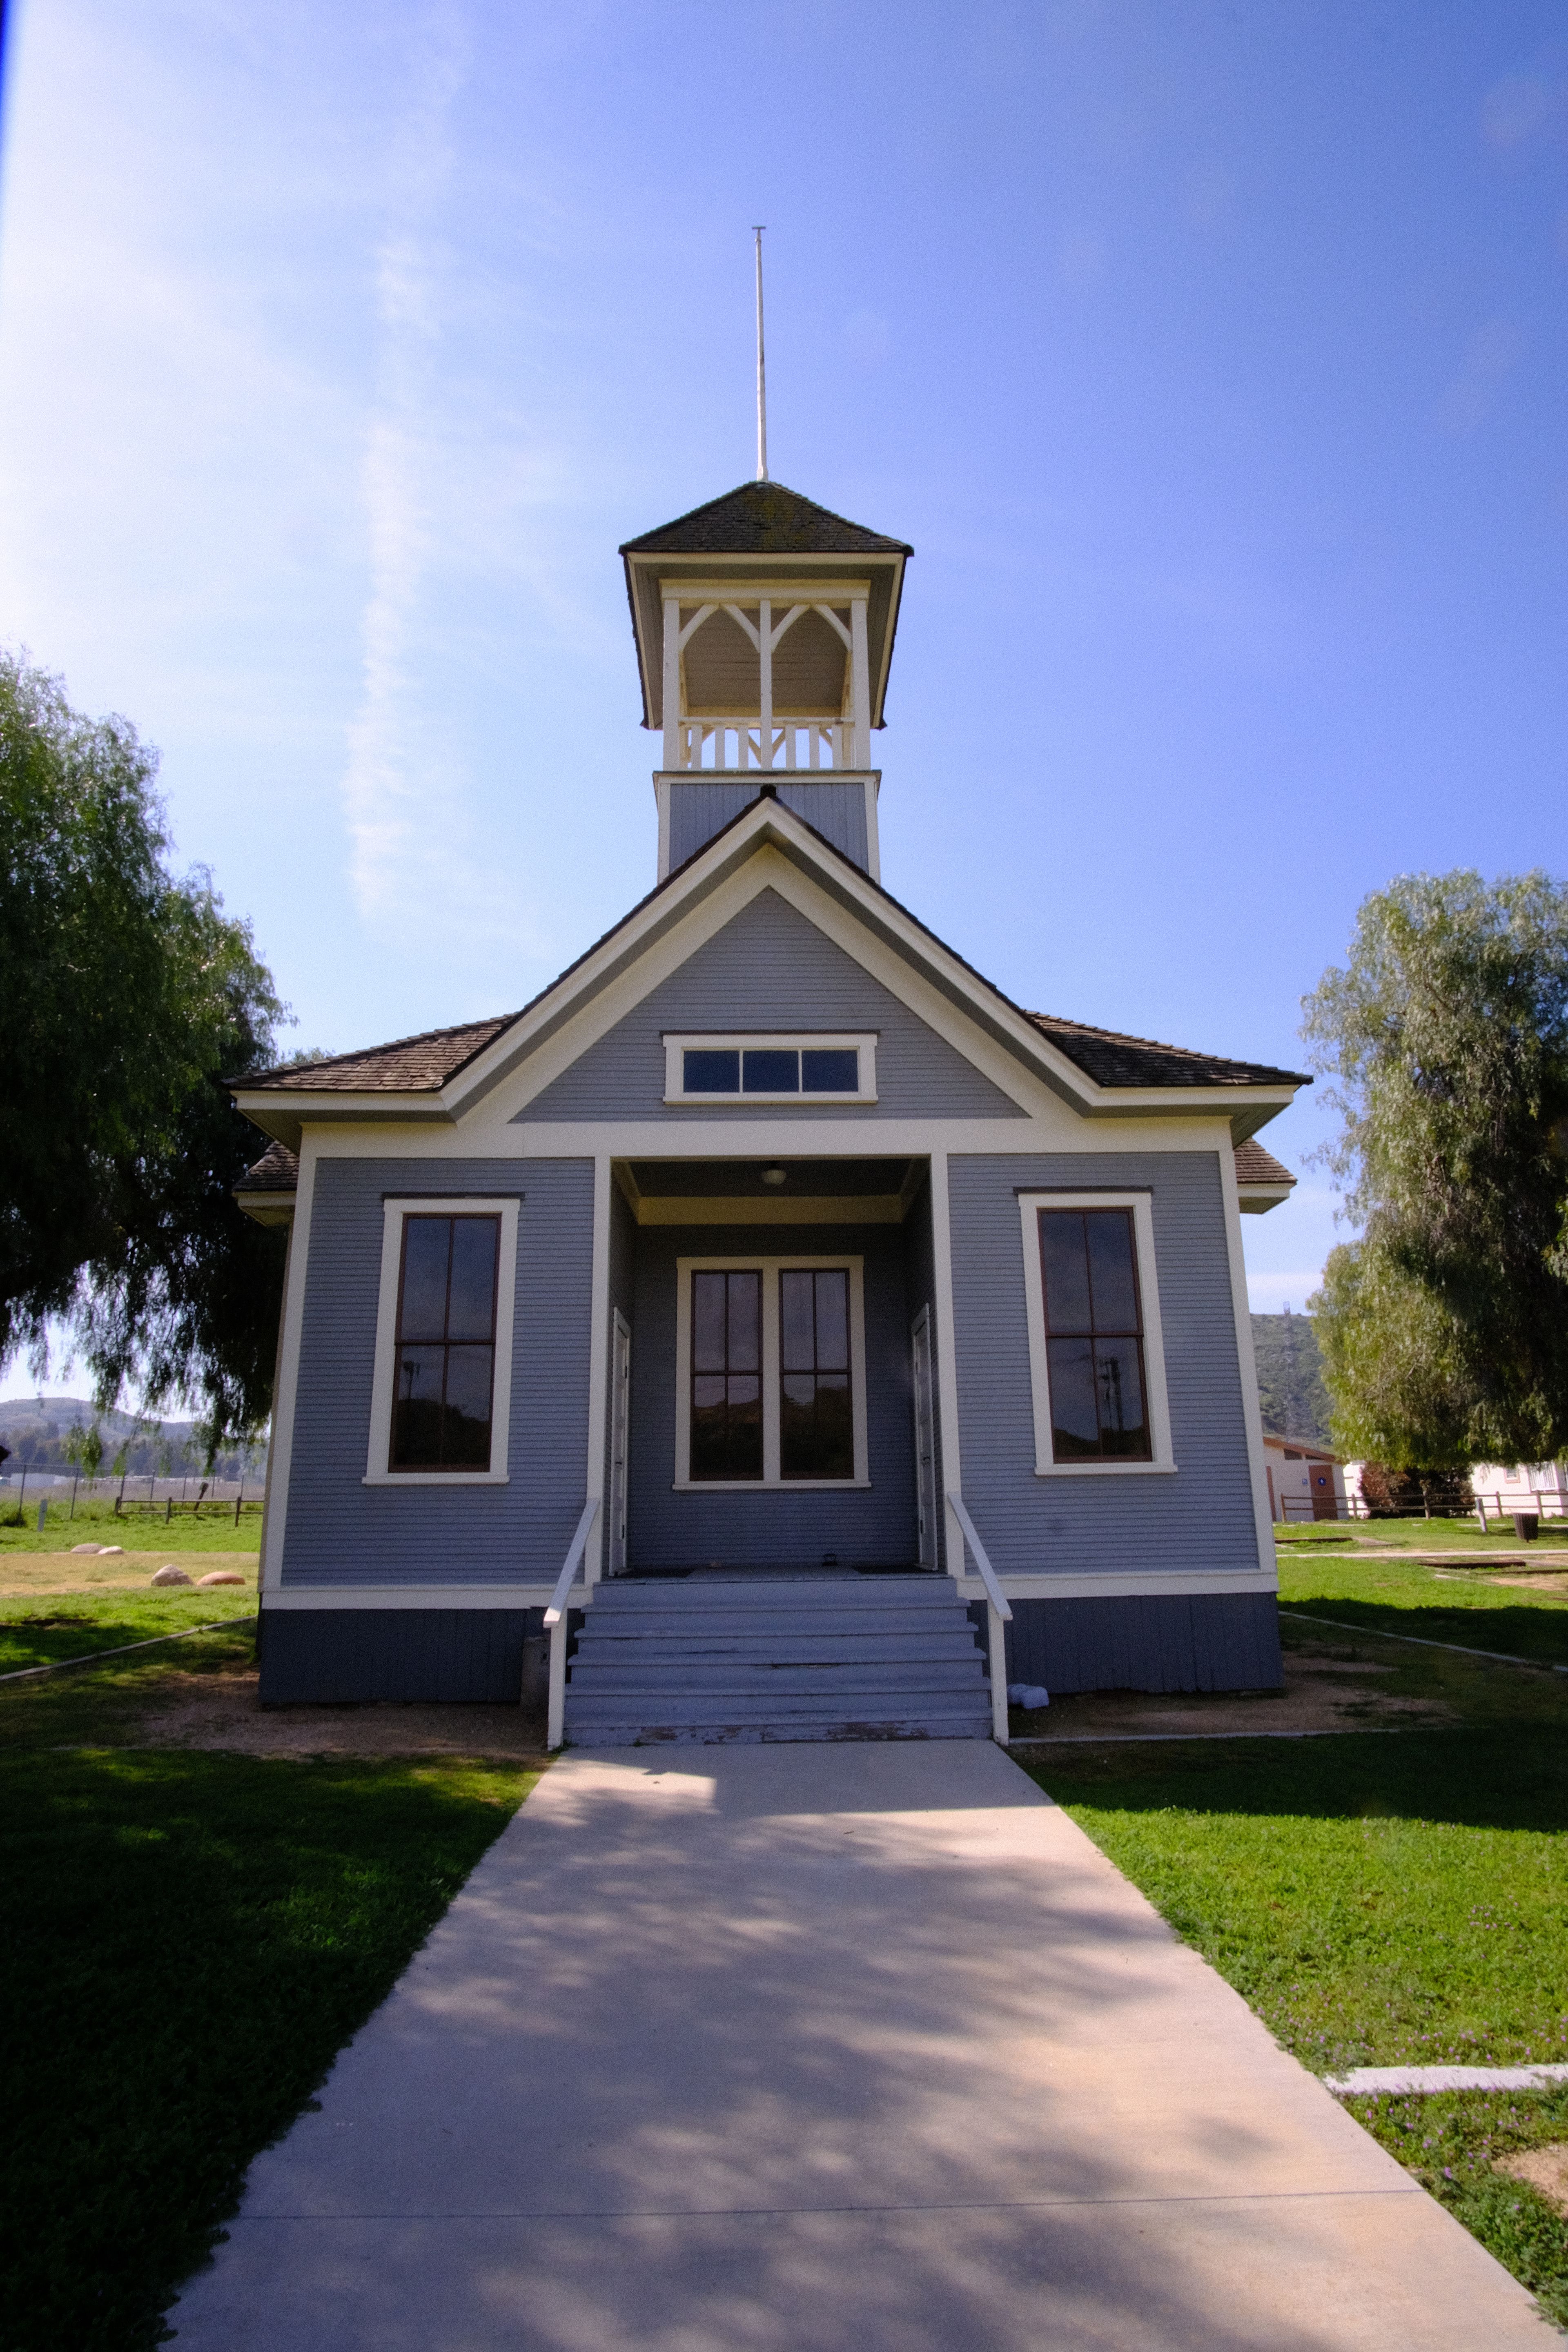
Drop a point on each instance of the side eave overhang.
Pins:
(267, 1205)
(765, 823)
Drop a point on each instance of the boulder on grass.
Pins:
(170, 1575)
(110, 1551)
(92, 1548)
(221, 1576)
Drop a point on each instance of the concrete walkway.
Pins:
(827, 2049)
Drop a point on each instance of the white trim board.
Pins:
(384, 1377)
(414, 1596)
(1158, 1403)
(1149, 1584)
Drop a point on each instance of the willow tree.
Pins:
(1444, 1328)
(127, 995)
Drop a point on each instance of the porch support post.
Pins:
(947, 1415)
(598, 1365)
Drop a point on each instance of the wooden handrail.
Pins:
(578, 1546)
(993, 1591)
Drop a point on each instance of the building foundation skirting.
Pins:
(1150, 1641)
(323, 1656)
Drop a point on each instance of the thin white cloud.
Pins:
(405, 790)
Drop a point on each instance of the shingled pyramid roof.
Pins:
(763, 519)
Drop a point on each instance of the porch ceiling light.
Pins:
(774, 1175)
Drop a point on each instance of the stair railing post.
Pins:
(556, 1728)
(998, 1610)
(556, 1619)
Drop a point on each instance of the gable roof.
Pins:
(763, 519)
(418, 1068)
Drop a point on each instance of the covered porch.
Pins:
(772, 1367)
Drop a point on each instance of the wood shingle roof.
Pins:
(763, 519)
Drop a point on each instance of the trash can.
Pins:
(1527, 1525)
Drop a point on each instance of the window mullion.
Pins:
(772, 1343)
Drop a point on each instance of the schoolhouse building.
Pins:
(802, 1337)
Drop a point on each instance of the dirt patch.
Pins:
(220, 1710)
(27, 1576)
(1545, 2169)
(1325, 1691)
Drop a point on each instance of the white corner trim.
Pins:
(862, 1042)
(1045, 1464)
(1251, 1410)
(384, 1378)
(280, 1458)
(770, 1268)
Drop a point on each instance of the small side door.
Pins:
(925, 1436)
(620, 1431)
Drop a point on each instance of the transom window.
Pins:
(445, 1343)
(800, 1068)
(1094, 1336)
(771, 1382)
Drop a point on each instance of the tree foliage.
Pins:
(127, 995)
(1444, 1328)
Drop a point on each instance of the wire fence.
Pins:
(136, 1497)
(1499, 1509)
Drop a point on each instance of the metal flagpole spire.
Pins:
(762, 372)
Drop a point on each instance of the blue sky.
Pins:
(1211, 356)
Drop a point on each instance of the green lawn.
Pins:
(188, 1941)
(37, 1630)
(1437, 1604)
(1390, 1898)
(135, 1529)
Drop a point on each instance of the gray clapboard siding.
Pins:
(339, 1531)
(699, 810)
(1200, 1518)
(770, 969)
(1158, 1642)
(775, 1528)
(322, 1655)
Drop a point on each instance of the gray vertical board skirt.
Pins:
(1147, 1642)
(361, 1655)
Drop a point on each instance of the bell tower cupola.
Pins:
(764, 633)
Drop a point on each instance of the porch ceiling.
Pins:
(727, 1192)
(718, 1178)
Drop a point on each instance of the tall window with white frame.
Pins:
(441, 1413)
(1094, 1336)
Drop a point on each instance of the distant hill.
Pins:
(37, 1427)
(1290, 1377)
